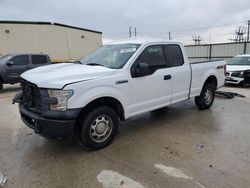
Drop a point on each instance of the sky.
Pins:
(214, 20)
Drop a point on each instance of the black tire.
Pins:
(103, 121)
(243, 84)
(206, 98)
(1, 84)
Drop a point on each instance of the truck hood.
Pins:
(58, 75)
(232, 68)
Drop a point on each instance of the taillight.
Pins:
(225, 70)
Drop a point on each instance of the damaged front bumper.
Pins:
(48, 123)
(233, 80)
(238, 77)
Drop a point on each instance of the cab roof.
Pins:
(144, 40)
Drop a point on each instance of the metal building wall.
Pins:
(61, 43)
(216, 51)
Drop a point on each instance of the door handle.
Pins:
(167, 77)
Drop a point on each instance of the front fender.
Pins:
(80, 100)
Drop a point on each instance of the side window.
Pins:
(39, 59)
(20, 60)
(174, 55)
(154, 57)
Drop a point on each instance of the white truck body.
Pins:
(138, 95)
(89, 99)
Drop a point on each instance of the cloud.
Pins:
(151, 17)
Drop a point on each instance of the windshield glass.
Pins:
(4, 58)
(111, 56)
(239, 61)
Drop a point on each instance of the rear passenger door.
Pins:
(180, 71)
(39, 60)
(153, 90)
(15, 67)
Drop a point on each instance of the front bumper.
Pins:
(48, 126)
(233, 80)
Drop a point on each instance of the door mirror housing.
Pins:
(10, 63)
(141, 69)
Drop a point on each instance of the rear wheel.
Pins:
(98, 128)
(206, 98)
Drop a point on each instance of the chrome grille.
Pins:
(31, 96)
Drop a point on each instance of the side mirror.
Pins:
(141, 70)
(10, 63)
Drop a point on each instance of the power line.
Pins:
(208, 27)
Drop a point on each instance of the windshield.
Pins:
(4, 58)
(239, 61)
(111, 56)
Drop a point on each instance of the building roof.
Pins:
(47, 23)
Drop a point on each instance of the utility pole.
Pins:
(240, 31)
(130, 32)
(169, 36)
(197, 39)
(248, 28)
(135, 32)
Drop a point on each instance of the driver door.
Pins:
(153, 90)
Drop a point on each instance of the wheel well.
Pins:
(105, 101)
(213, 80)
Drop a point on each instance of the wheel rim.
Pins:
(208, 97)
(101, 128)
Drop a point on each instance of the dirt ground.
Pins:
(178, 146)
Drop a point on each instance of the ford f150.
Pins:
(119, 80)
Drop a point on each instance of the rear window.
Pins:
(39, 59)
(174, 55)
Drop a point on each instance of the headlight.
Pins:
(241, 74)
(62, 97)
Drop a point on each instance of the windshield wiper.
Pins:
(95, 64)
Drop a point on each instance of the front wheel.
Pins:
(1, 85)
(98, 128)
(206, 98)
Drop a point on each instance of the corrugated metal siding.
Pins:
(202, 51)
(61, 43)
(218, 51)
(225, 50)
(248, 48)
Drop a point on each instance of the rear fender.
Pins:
(197, 85)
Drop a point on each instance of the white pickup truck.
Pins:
(120, 80)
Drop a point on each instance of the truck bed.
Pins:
(202, 70)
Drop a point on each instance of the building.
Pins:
(61, 42)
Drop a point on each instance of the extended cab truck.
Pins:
(116, 82)
(13, 65)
